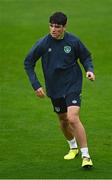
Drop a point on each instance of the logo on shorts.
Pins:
(57, 109)
(74, 101)
(67, 49)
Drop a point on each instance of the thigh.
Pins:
(73, 101)
(62, 116)
(59, 105)
(73, 111)
(73, 114)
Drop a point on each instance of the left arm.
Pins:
(90, 75)
(85, 58)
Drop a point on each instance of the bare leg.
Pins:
(65, 126)
(72, 127)
(69, 134)
(74, 120)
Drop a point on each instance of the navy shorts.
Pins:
(60, 104)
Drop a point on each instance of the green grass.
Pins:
(31, 143)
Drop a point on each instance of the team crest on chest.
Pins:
(67, 49)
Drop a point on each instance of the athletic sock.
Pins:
(85, 152)
(72, 143)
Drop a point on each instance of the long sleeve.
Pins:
(85, 57)
(30, 62)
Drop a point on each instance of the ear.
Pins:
(64, 27)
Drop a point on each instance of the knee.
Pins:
(73, 119)
(64, 122)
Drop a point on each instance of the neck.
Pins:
(61, 36)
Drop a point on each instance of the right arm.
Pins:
(40, 92)
(29, 65)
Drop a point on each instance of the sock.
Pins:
(85, 152)
(72, 143)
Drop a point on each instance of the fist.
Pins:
(40, 92)
(90, 76)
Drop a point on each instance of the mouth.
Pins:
(53, 33)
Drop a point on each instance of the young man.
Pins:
(59, 52)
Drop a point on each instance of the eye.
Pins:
(51, 25)
(55, 26)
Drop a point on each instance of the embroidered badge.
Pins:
(57, 109)
(67, 49)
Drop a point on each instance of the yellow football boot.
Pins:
(71, 154)
(87, 162)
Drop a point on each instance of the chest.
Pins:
(59, 50)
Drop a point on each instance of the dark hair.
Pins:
(58, 18)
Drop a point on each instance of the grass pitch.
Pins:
(31, 143)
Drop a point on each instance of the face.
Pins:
(56, 30)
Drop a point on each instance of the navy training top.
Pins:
(59, 62)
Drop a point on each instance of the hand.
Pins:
(90, 76)
(40, 92)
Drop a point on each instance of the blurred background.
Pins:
(31, 143)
